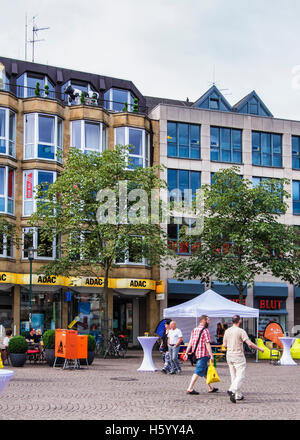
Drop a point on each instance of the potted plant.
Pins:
(49, 345)
(37, 89)
(82, 98)
(17, 348)
(125, 108)
(46, 90)
(91, 351)
(135, 105)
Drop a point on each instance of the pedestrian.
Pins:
(200, 344)
(164, 348)
(174, 341)
(220, 333)
(233, 340)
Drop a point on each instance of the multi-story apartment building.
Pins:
(193, 140)
(198, 139)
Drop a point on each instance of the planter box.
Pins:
(17, 359)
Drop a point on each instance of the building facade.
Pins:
(45, 110)
(198, 139)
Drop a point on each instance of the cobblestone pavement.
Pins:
(40, 392)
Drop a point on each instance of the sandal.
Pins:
(192, 392)
(214, 390)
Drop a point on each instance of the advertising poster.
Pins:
(84, 312)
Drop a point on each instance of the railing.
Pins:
(114, 106)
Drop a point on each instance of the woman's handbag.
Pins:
(212, 375)
(193, 358)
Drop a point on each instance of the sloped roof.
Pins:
(239, 105)
(211, 91)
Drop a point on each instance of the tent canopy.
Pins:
(211, 304)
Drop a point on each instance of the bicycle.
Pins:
(116, 347)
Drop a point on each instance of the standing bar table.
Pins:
(147, 343)
(286, 358)
(5, 376)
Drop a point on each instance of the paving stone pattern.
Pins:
(113, 389)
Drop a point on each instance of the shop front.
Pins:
(6, 305)
(229, 291)
(270, 299)
(181, 291)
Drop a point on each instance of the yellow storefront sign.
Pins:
(53, 280)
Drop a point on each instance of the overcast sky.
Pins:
(170, 48)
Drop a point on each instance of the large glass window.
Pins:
(296, 152)
(225, 145)
(181, 180)
(4, 81)
(43, 137)
(7, 190)
(31, 179)
(30, 84)
(6, 246)
(138, 139)
(133, 255)
(174, 239)
(46, 249)
(296, 196)
(88, 136)
(119, 100)
(183, 140)
(266, 149)
(7, 132)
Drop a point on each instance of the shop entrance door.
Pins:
(123, 316)
(6, 308)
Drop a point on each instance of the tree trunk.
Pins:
(241, 293)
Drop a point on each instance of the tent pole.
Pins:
(256, 360)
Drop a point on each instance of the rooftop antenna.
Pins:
(35, 30)
(214, 82)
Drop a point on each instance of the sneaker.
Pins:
(164, 371)
(241, 398)
(173, 372)
(232, 398)
(229, 393)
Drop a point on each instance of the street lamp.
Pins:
(30, 251)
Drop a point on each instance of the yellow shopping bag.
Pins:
(212, 375)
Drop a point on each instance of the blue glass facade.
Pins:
(296, 197)
(183, 140)
(266, 149)
(225, 145)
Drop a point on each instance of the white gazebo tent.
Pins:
(211, 304)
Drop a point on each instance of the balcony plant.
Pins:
(94, 99)
(17, 348)
(125, 108)
(135, 108)
(46, 90)
(82, 98)
(37, 89)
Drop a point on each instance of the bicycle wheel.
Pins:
(122, 352)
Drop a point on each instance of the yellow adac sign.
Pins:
(127, 283)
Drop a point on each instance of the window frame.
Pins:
(102, 136)
(297, 155)
(25, 87)
(34, 184)
(35, 245)
(109, 103)
(260, 149)
(296, 202)
(58, 149)
(177, 182)
(4, 247)
(6, 138)
(218, 147)
(145, 144)
(5, 195)
(190, 145)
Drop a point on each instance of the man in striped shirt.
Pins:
(203, 353)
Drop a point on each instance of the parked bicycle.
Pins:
(117, 346)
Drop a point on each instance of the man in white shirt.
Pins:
(233, 340)
(174, 341)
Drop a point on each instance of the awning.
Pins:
(297, 292)
(226, 289)
(271, 289)
(186, 287)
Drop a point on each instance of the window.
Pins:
(183, 180)
(88, 136)
(214, 103)
(116, 100)
(27, 86)
(31, 179)
(138, 139)
(6, 246)
(183, 140)
(174, 241)
(4, 81)
(266, 149)
(225, 145)
(43, 137)
(296, 196)
(47, 249)
(74, 93)
(7, 190)
(7, 132)
(296, 152)
(133, 255)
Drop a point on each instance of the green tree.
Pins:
(71, 208)
(242, 235)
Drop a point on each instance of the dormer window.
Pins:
(32, 84)
(119, 100)
(79, 93)
(214, 104)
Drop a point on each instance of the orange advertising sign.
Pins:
(273, 331)
(66, 343)
(82, 346)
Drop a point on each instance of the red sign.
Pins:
(236, 300)
(270, 304)
(29, 186)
